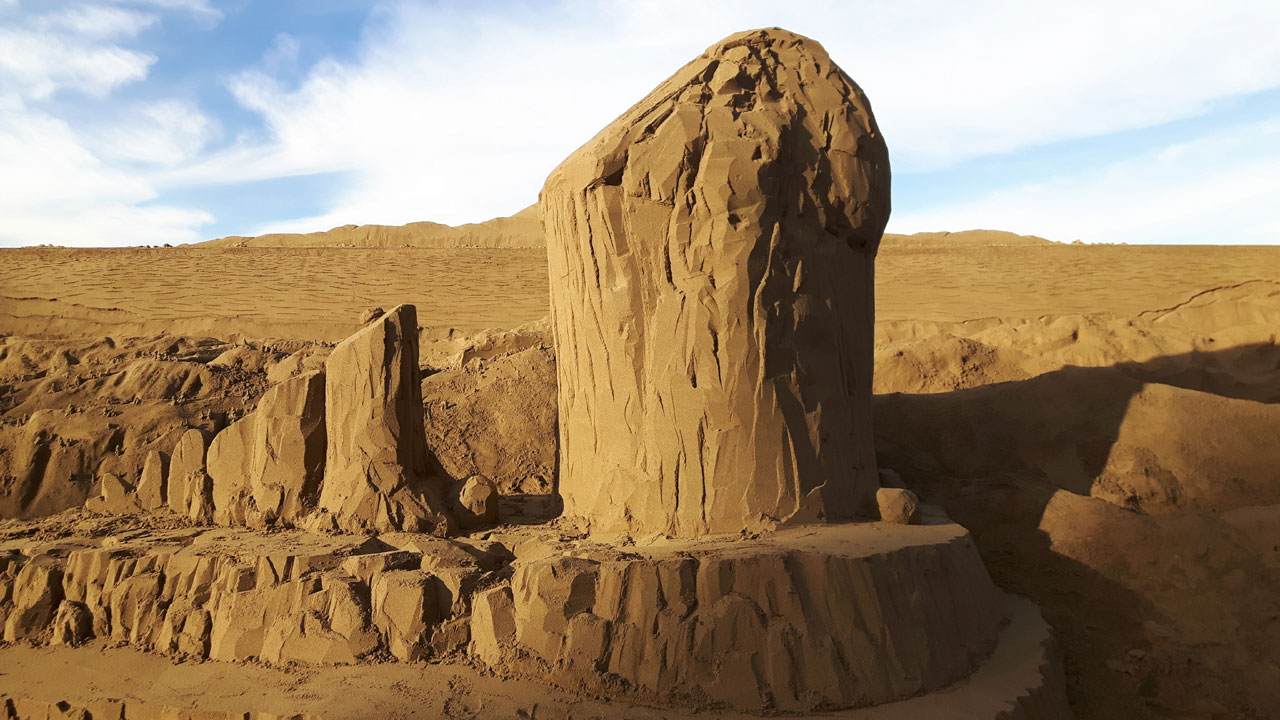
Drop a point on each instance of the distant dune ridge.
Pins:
(523, 230)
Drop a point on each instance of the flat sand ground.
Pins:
(318, 293)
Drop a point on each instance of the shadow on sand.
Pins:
(996, 456)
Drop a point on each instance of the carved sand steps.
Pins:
(1021, 680)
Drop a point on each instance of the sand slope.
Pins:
(318, 293)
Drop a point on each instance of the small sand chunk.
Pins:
(72, 625)
(898, 506)
(493, 624)
(474, 501)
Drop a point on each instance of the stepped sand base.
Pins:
(1021, 680)
(801, 620)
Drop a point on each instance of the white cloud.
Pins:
(55, 191)
(1219, 189)
(98, 22)
(456, 115)
(166, 132)
(81, 184)
(197, 7)
(37, 64)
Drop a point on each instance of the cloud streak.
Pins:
(88, 185)
(456, 112)
(458, 115)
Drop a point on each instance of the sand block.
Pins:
(799, 620)
(405, 610)
(711, 255)
(376, 468)
(190, 491)
(34, 598)
(268, 466)
(152, 487)
(493, 625)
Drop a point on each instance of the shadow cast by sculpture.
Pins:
(997, 456)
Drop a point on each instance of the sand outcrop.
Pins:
(234, 596)
(712, 297)
(153, 484)
(267, 467)
(190, 490)
(377, 463)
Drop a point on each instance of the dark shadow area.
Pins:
(1121, 588)
(526, 509)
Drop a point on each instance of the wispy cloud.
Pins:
(1220, 189)
(457, 114)
(86, 184)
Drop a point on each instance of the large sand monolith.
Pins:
(376, 475)
(711, 260)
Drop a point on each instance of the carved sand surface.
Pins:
(644, 451)
(712, 255)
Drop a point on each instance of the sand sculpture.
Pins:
(712, 297)
(712, 259)
(267, 467)
(377, 463)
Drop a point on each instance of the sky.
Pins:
(143, 122)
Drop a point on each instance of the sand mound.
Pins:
(521, 230)
(964, 238)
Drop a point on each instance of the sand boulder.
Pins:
(376, 468)
(474, 501)
(72, 624)
(711, 255)
(898, 506)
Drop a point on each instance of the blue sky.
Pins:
(126, 122)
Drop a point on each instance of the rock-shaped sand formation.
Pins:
(377, 465)
(152, 483)
(711, 255)
(267, 467)
(190, 490)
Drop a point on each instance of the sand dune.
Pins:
(521, 230)
(317, 293)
